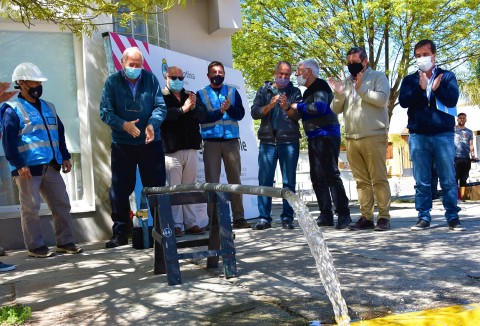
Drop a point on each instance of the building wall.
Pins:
(189, 33)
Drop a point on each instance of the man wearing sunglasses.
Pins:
(221, 134)
(181, 140)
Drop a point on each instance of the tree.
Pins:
(470, 83)
(78, 15)
(326, 29)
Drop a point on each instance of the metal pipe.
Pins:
(235, 188)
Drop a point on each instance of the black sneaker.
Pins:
(262, 225)
(455, 225)
(325, 220)
(362, 224)
(421, 225)
(383, 224)
(287, 225)
(116, 241)
(241, 224)
(343, 222)
(69, 248)
(40, 252)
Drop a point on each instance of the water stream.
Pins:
(313, 234)
(323, 258)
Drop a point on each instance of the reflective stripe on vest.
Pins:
(35, 139)
(226, 127)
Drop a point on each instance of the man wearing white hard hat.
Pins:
(34, 145)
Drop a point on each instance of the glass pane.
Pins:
(139, 27)
(153, 40)
(152, 29)
(141, 37)
(53, 54)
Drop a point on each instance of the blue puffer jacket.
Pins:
(118, 105)
(288, 130)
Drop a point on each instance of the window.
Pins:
(154, 30)
(53, 53)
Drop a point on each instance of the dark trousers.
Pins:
(125, 158)
(323, 154)
(462, 170)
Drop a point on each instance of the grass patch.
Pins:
(15, 315)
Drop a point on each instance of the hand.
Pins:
(24, 173)
(225, 106)
(149, 134)
(336, 85)
(358, 80)
(193, 98)
(66, 166)
(423, 80)
(130, 128)
(436, 82)
(5, 96)
(283, 100)
(187, 106)
(294, 106)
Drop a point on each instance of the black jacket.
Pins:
(181, 130)
(288, 130)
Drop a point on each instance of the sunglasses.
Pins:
(175, 77)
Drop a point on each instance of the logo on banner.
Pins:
(164, 66)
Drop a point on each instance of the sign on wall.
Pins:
(157, 60)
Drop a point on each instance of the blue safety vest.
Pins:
(33, 138)
(226, 127)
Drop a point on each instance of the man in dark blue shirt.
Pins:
(431, 130)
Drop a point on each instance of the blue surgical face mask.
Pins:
(132, 73)
(282, 82)
(176, 85)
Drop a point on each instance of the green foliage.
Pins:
(14, 315)
(325, 30)
(78, 15)
(470, 83)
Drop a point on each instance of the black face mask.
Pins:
(217, 80)
(35, 92)
(355, 68)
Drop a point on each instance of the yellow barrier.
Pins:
(468, 315)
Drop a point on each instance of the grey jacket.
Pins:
(365, 113)
(288, 130)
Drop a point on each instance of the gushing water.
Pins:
(323, 258)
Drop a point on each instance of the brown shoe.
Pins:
(383, 224)
(69, 248)
(195, 230)
(362, 224)
(178, 231)
(241, 224)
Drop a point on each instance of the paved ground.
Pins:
(381, 273)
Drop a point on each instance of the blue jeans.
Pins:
(439, 150)
(287, 156)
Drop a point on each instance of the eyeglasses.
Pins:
(175, 77)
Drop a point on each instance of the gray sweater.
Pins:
(364, 113)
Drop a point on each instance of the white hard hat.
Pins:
(27, 71)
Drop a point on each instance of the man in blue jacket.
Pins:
(34, 144)
(221, 134)
(279, 135)
(431, 137)
(132, 105)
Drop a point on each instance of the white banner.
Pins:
(157, 60)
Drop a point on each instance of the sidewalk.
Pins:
(381, 273)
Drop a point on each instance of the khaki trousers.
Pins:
(366, 157)
(229, 152)
(52, 188)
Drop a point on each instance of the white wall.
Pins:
(189, 30)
